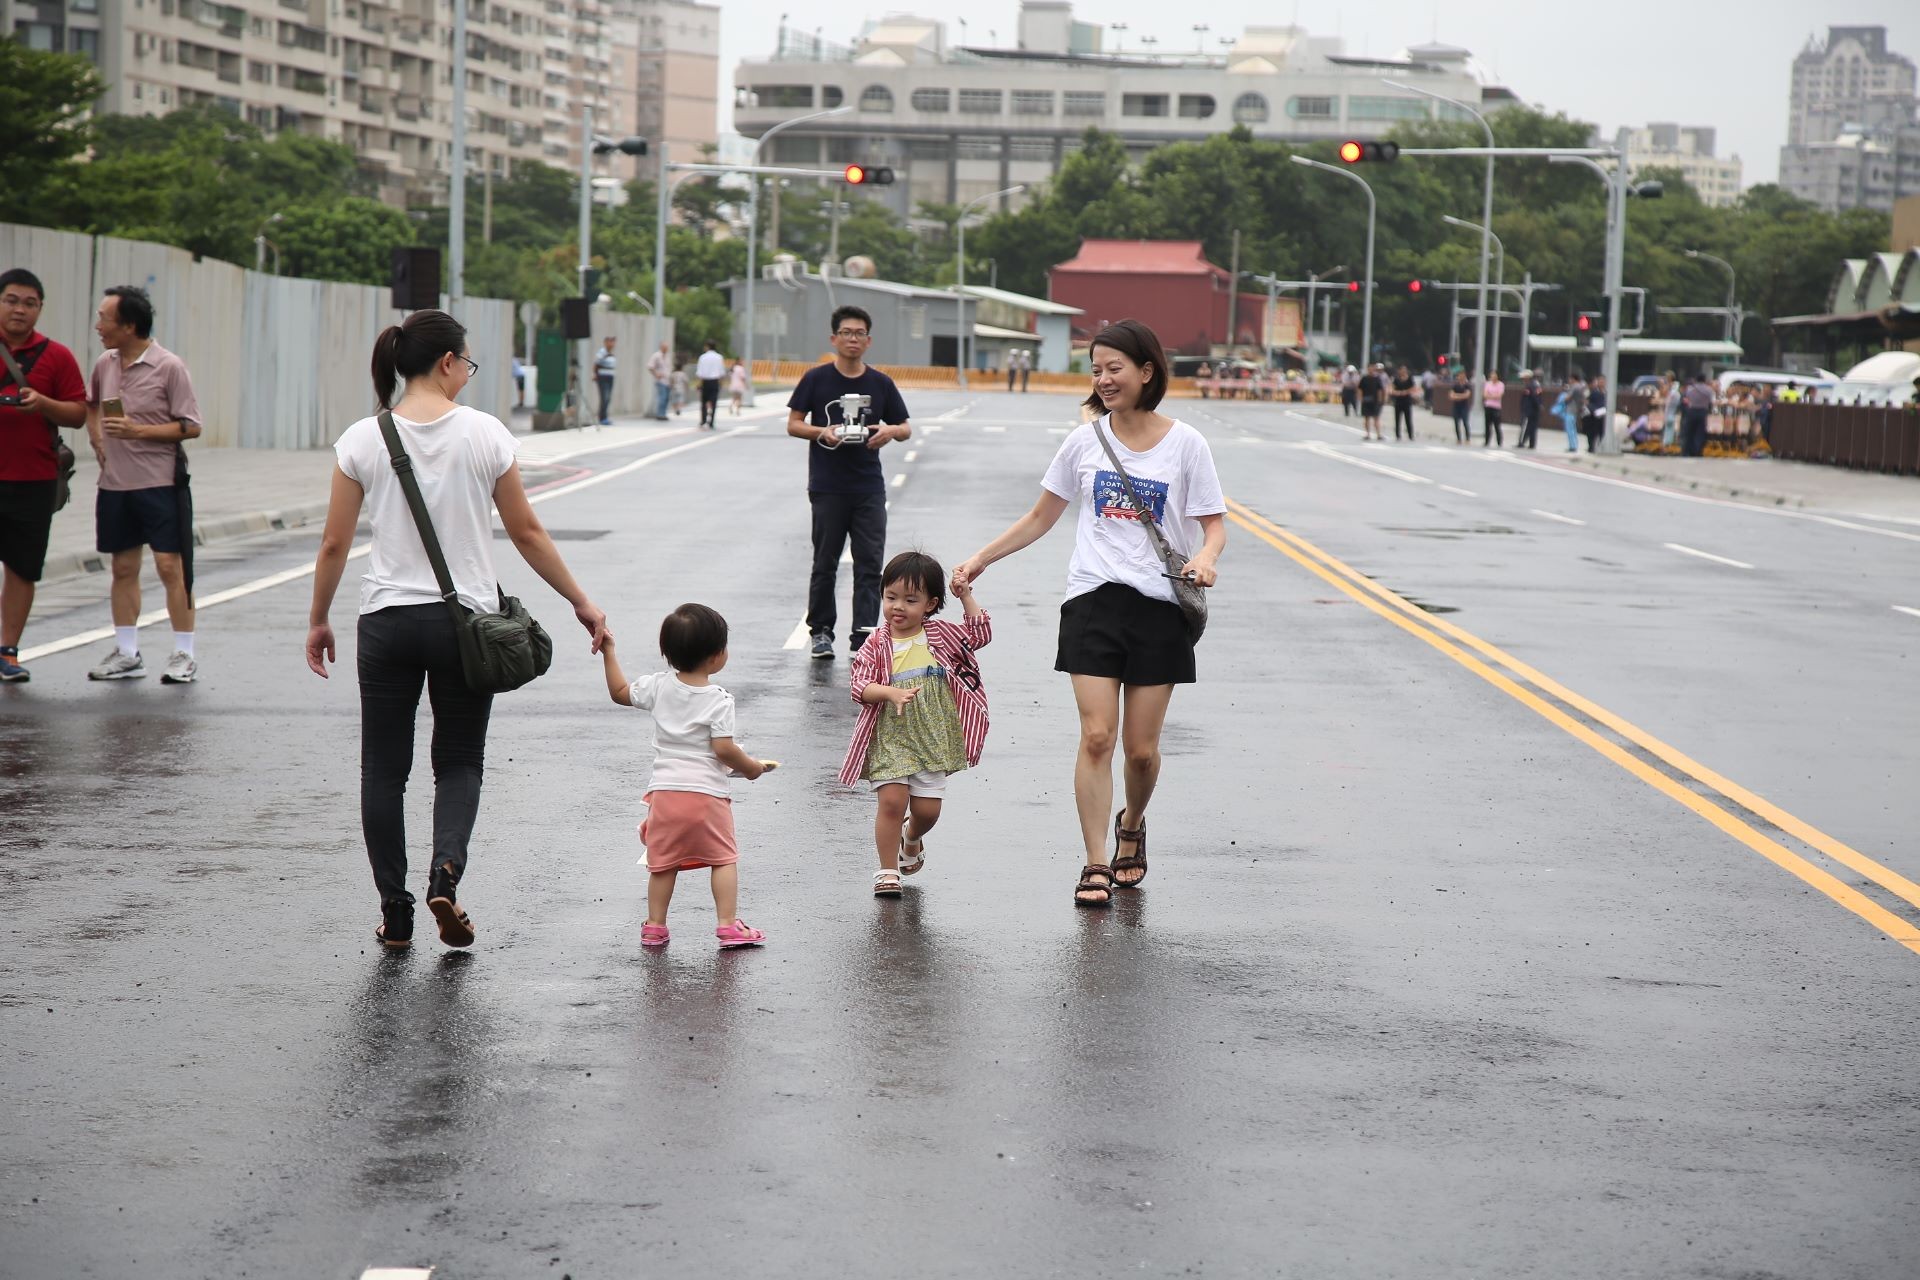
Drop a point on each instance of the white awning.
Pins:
(998, 334)
(1560, 343)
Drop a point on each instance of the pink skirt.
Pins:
(687, 830)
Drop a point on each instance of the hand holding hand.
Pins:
(319, 649)
(965, 574)
(594, 619)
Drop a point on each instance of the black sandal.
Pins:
(1095, 877)
(1135, 861)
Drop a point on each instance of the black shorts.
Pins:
(1369, 408)
(1116, 632)
(26, 521)
(124, 519)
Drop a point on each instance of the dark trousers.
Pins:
(1462, 428)
(709, 401)
(1591, 426)
(1529, 426)
(1490, 432)
(836, 517)
(1402, 412)
(606, 394)
(1693, 433)
(400, 648)
(1349, 401)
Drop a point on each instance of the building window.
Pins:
(980, 102)
(1314, 108)
(1384, 108)
(877, 98)
(978, 148)
(832, 96)
(782, 96)
(1084, 104)
(1151, 105)
(1196, 106)
(1033, 102)
(83, 41)
(1030, 149)
(928, 149)
(934, 100)
(1251, 108)
(37, 35)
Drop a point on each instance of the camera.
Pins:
(852, 427)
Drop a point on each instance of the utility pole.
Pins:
(753, 217)
(1366, 302)
(1233, 296)
(457, 168)
(584, 357)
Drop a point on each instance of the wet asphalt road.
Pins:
(1422, 983)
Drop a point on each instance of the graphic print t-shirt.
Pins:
(1175, 478)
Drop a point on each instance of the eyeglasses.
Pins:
(18, 302)
(473, 369)
(851, 333)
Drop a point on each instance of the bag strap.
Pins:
(20, 382)
(409, 485)
(1141, 509)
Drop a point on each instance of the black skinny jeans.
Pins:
(1529, 426)
(1402, 412)
(400, 648)
(836, 517)
(1491, 432)
(1462, 427)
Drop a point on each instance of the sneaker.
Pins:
(181, 669)
(396, 924)
(739, 934)
(823, 645)
(118, 666)
(10, 669)
(858, 640)
(456, 929)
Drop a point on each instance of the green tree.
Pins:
(352, 239)
(44, 99)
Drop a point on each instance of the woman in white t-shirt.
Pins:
(464, 462)
(1122, 638)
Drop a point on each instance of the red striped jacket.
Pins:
(953, 648)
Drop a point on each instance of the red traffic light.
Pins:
(1353, 286)
(1584, 324)
(1416, 286)
(1443, 362)
(1354, 151)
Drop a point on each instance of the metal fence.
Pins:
(277, 363)
(1863, 437)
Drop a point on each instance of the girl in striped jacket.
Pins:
(923, 710)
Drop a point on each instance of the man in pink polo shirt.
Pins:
(143, 500)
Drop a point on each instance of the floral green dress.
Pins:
(926, 737)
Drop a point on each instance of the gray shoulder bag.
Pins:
(498, 651)
(1188, 594)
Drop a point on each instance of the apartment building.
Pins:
(667, 62)
(1853, 126)
(959, 122)
(378, 74)
(1688, 148)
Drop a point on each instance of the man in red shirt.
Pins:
(30, 417)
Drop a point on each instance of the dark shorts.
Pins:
(124, 519)
(1116, 632)
(26, 520)
(1369, 408)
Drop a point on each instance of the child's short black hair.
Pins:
(919, 569)
(691, 635)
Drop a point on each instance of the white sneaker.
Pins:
(118, 666)
(181, 669)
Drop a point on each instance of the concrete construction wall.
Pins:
(277, 363)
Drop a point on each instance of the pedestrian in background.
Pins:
(923, 710)
(1595, 423)
(1460, 400)
(40, 392)
(737, 386)
(464, 461)
(846, 487)
(1696, 402)
(677, 381)
(140, 410)
(1373, 389)
(605, 364)
(1013, 369)
(1570, 406)
(1492, 392)
(660, 369)
(1670, 392)
(1402, 393)
(1026, 369)
(1529, 410)
(1349, 391)
(710, 368)
(1124, 639)
(689, 803)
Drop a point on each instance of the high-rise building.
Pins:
(1688, 148)
(1853, 124)
(960, 122)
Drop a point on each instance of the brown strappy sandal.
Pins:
(1095, 877)
(1135, 861)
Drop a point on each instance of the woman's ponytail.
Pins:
(413, 347)
(386, 364)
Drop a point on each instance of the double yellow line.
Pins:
(1527, 686)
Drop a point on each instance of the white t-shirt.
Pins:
(1176, 478)
(456, 458)
(686, 720)
(711, 364)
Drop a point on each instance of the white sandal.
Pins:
(886, 884)
(911, 862)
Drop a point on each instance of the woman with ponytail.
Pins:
(464, 462)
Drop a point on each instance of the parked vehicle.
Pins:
(1888, 378)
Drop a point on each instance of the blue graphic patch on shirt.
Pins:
(1111, 502)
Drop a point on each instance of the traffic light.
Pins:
(1584, 322)
(1356, 151)
(1443, 362)
(1353, 286)
(1416, 286)
(860, 175)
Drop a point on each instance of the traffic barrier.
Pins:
(1859, 437)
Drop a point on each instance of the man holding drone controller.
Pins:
(847, 412)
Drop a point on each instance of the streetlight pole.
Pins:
(1486, 222)
(1366, 299)
(585, 357)
(457, 168)
(753, 223)
(1619, 185)
(1500, 280)
(1733, 313)
(960, 274)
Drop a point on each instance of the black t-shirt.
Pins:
(1403, 387)
(1370, 387)
(850, 468)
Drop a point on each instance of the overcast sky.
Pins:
(1626, 62)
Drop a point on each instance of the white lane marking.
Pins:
(846, 557)
(1248, 440)
(1554, 515)
(899, 479)
(800, 637)
(1901, 608)
(1328, 451)
(397, 1273)
(951, 414)
(1705, 555)
(285, 576)
(994, 430)
(1321, 422)
(1438, 448)
(911, 455)
(1058, 431)
(1465, 493)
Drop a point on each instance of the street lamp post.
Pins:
(1733, 313)
(457, 168)
(753, 223)
(1366, 298)
(1500, 281)
(960, 274)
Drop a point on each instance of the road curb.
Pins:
(78, 564)
(1744, 493)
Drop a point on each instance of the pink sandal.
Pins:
(653, 935)
(738, 934)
